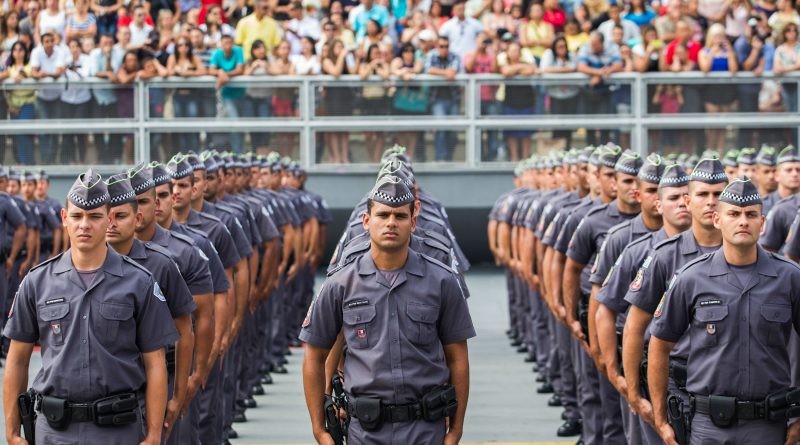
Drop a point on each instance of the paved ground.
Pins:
(503, 407)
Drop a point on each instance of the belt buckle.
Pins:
(745, 410)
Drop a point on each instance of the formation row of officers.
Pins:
(180, 288)
(653, 296)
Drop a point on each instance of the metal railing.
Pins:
(309, 109)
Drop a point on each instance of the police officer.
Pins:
(418, 334)
(705, 184)
(613, 307)
(617, 239)
(102, 323)
(52, 240)
(747, 162)
(27, 255)
(764, 178)
(13, 223)
(195, 266)
(736, 307)
(729, 161)
(124, 216)
(781, 216)
(600, 408)
(787, 177)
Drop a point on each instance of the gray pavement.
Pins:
(503, 407)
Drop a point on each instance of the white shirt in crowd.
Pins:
(139, 35)
(48, 64)
(82, 69)
(462, 35)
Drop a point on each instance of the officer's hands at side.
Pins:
(793, 434)
(667, 434)
(324, 438)
(642, 407)
(17, 441)
(173, 411)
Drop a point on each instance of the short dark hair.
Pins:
(411, 206)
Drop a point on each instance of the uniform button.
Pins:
(392, 314)
(394, 340)
(84, 317)
(83, 340)
(85, 365)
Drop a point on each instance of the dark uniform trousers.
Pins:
(418, 432)
(745, 431)
(511, 292)
(568, 383)
(209, 407)
(589, 397)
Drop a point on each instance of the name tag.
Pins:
(55, 300)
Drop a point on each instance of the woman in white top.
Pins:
(214, 28)
(75, 102)
(306, 63)
(9, 32)
(787, 59)
(257, 102)
(563, 98)
(737, 13)
(52, 19)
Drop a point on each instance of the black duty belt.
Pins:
(114, 410)
(678, 372)
(396, 413)
(729, 408)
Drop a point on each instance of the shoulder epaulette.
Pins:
(667, 241)
(185, 238)
(644, 238)
(46, 262)
(702, 258)
(157, 248)
(596, 209)
(209, 217)
(436, 245)
(620, 226)
(341, 266)
(784, 259)
(135, 264)
(438, 237)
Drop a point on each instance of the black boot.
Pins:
(571, 427)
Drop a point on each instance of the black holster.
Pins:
(644, 389)
(783, 405)
(678, 372)
(679, 418)
(116, 410)
(332, 423)
(439, 403)
(27, 413)
(583, 315)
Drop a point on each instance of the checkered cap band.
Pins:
(88, 204)
(386, 198)
(741, 192)
(710, 171)
(127, 196)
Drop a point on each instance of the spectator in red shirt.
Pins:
(554, 15)
(683, 37)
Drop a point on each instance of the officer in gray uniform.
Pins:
(204, 275)
(672, 206)
(787, 177)
(52, 240)
(601, 414)
(402, 314)
(780, 218)
(747, 162)
(102, 323)
(49, 219)
(617, 240)
(706, 183)
(27, 256)
(730, 163)
(124, 216)
(736, 307)
(766, 163)
(13, 223)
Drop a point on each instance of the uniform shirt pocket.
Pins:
(54, 321)
(776, 326)
(112, 315)
(709, 323)
(359, 326)
(425, 318)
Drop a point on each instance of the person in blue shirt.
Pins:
(227, 62)
(365, 12)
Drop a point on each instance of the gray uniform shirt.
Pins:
(778, 222)
(92, 338)
(192, 265)
(738, 334)
(617, 239)
(394, 334)
(589, 236)
(219, 280)
(218, 234)
(161, 265)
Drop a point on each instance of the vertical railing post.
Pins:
(307, 141)
(639, 139)
(472, 139)
(141, 108)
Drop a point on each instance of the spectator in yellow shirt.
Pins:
(258, 26)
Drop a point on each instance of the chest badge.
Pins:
(56, 328)
(711, 328)
(361, 333)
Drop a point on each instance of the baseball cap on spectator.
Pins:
(507, 37)
(427, 35)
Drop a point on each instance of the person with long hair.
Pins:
(718, 56)
(787, 59)
(373, 97)
(497, 18)
(185, 101)
(518, 100)
(537, 35)
(337, 62)
(786, 13)
(563, 98)
(9, 33)
(406, 67)
(257, 102)
(283, 99)
(214, 27)
(22, 102)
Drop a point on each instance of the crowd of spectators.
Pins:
(126, 40)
